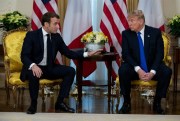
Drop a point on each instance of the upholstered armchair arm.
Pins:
(7, 67)
(168, 61)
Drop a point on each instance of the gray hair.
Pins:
(138, 13)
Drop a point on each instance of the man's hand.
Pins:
(145, 76)
(36, 71)
(149, 76)
(142, 74)
(96, 52)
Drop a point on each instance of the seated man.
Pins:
(38, 57)
(142, 54)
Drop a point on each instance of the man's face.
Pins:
(54, 25)
(135, 23)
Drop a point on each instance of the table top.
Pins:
(176, 47)
(107, 56)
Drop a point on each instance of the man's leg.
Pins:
(67, 73)
(33, 90)
(126, 74)
(163, 77)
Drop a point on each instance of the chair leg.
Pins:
(22, 97)
(117, 88)
(167, 99)
(7, 93)
(14, 88)
(118, 95)
(42, 91)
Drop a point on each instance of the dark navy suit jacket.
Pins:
(153, 47)
(33, 50)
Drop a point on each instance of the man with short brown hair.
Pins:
(38, 56)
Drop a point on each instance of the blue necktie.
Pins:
(143, 64)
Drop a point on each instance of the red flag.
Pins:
(114, 21)
(39, 8)
(153, 12)
(78, 21)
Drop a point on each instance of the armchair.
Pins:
(12, 44)
(141, 85)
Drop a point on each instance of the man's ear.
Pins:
(46, 24)
(141, 21)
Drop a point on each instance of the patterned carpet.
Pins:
(15, 116)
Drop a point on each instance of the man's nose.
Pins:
(58, 26)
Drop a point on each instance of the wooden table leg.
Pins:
(175, 77)
(109, 68)
(79, 72)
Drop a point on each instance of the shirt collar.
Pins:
(44, 32)
(142, 30)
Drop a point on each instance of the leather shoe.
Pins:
(126, 108)
(62, 107)
(32, 109)
(157, 108)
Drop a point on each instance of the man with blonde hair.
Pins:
(142, 54)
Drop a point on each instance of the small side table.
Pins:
(176, 61)
(108, 58)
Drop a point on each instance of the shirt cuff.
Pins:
(153, 71)
(30, 67)
(136, 68)
(85, 54)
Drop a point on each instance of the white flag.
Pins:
(78, 21)
(152, 10)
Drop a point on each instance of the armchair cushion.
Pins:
(15, 80)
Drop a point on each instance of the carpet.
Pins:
(21, 116)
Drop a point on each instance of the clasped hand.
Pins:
(145, 76)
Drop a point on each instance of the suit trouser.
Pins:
(67, 73)
(127, 74)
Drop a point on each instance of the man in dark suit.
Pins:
(153, 66)
(38, 57)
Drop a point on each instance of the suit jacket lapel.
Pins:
(147, 37)
(135, 43)
(53, 46)
(40, 36)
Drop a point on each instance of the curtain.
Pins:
(132, 5)
(62, 5)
